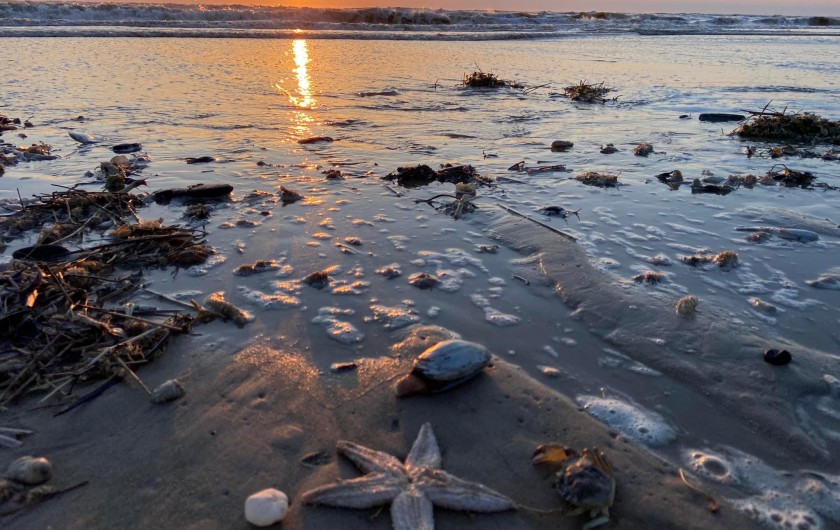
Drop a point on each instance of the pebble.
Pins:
(777, 357)
(266, 507)
(561, 145)
(168, 391)
(30, 470)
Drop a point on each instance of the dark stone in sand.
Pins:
(561, 145)
(315, 140)
(317, 279)
(126, 148)
(716, 117)
(777, 357)
(200, 160)
(198, 191)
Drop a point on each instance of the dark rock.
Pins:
(317, 279)
(200, 160)
(315, 140)
(716, 117)
(777, 357)
(126, 148)
(198, 191)
(561, 145)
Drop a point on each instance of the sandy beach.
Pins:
(252, 416)
(632, 266)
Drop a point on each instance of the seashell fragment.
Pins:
(30, 470)
(266, 507)
(168, 391)
(82, 138)
(687, 306)
(443, 366)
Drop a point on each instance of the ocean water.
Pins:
(385, 85)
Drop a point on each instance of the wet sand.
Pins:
(250, 417)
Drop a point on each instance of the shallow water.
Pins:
(391, 103)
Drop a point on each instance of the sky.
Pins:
(760, 7)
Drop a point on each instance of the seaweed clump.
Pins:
(423, 175)
(600, 180)
(587, 93)
(799, 127)
(479, 79)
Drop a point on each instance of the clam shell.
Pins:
(451, 361)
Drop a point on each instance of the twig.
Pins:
(713, 505)
(134, 376)
(392, 190)
(556, 231)
(93, 394)
(132, 317)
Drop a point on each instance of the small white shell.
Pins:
(30, 470)
(266, 507)
(168, 391)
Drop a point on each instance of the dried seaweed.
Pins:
(601, 180)
(790, 127)
(479, 79)
(62, 323)
(587, 93)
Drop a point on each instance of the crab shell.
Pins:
(586, 481)
(443, 366)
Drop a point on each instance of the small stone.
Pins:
(168, 391)
(608, 149)
(266, 507)
(561, 145)
(30, 470)
(777, 357)
(342, 367)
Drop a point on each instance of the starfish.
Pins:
(412, 488)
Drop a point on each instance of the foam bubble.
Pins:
(778, 510)
(643, 426)
(269, 301)
(339, 330)
(212, 262)
(393, 317)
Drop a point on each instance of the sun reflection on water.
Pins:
(301, 57)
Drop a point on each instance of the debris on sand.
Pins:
(718, 117)
(601, 180)
(643, 150)
(687, 306)
(608, 149)
(787, 177)
(315, 140)
(287, 195)
(587, 93)
(60, 316)
(697, 186)
(794, 127)
(194, 192)
(423, 280)
(422, 175)
(650, 278)
(726, 260)
(259, 266)
(736, 181)
(672, 178)
(479, 79)
(216, 302)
